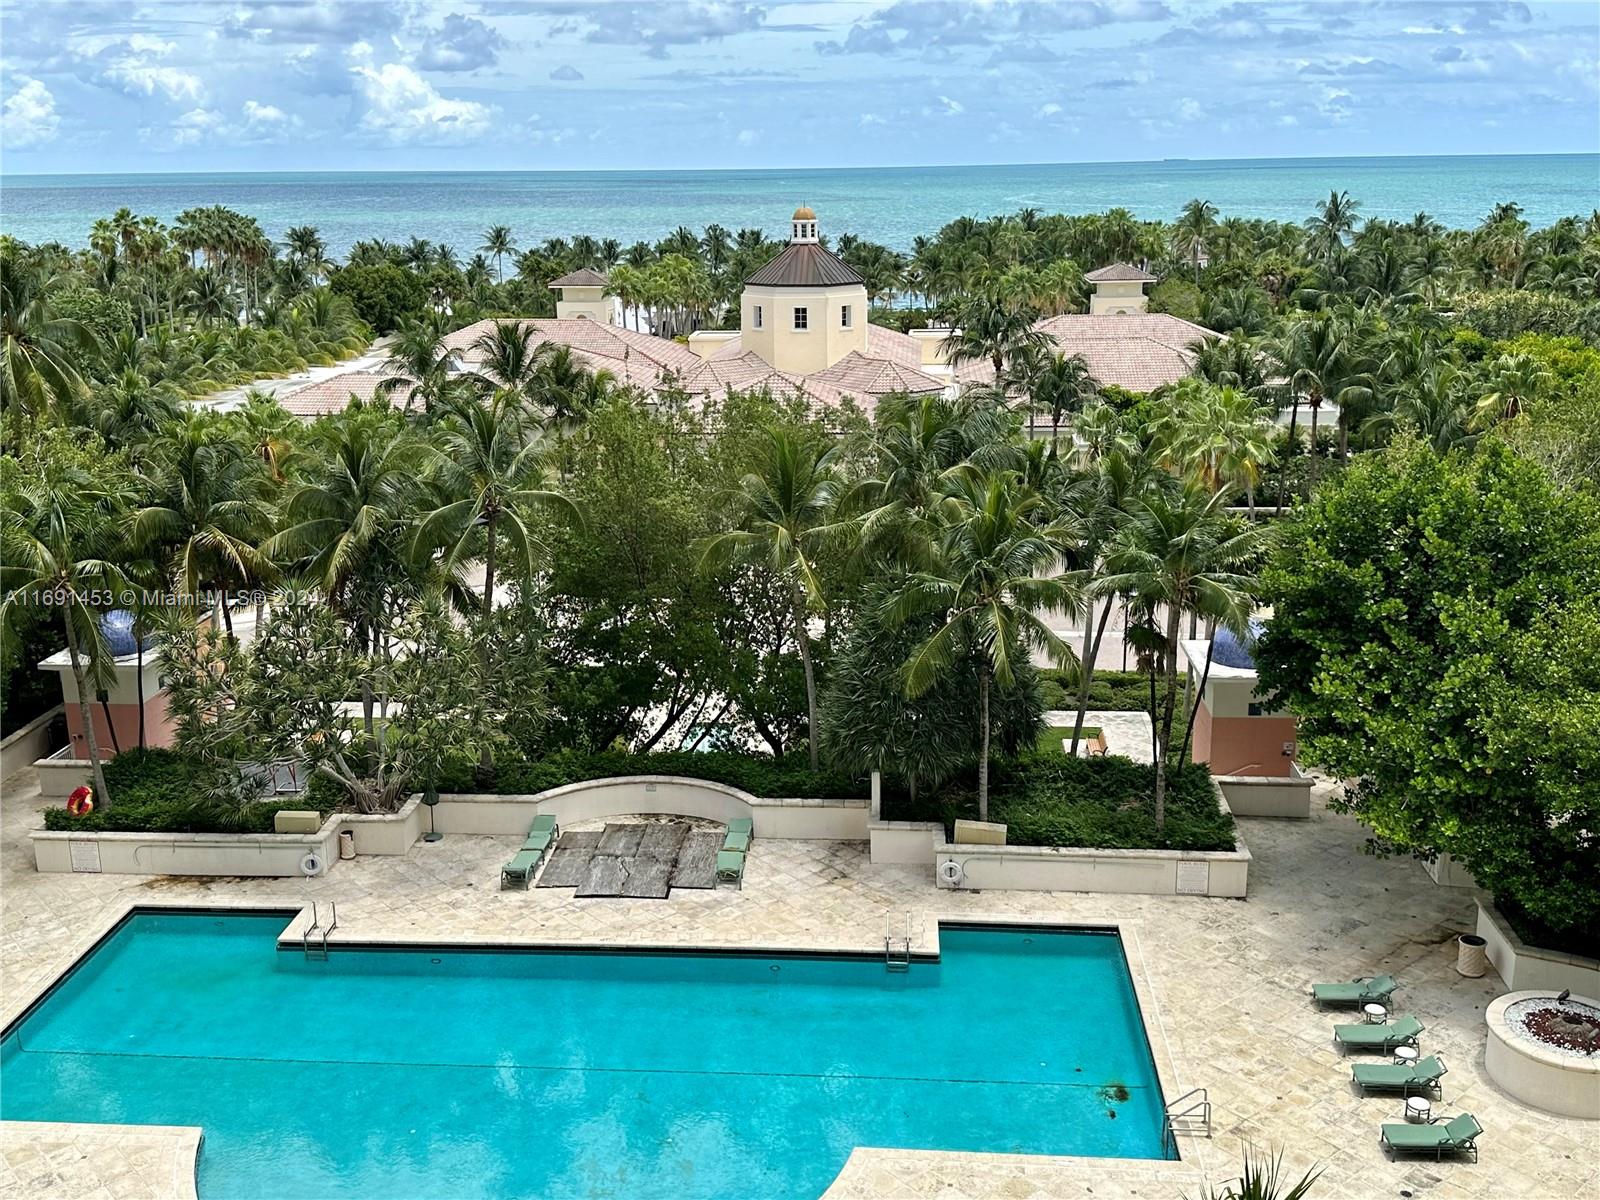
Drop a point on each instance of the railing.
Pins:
(1193, 1108)
(319, 952)
(897, 948)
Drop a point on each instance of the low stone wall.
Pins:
(1268, 795)
(28, 742)
(1538, 1075)
(59, 773)
(277, 855)
(1447, 872)
(905, 843)
(1523, 966)
(1076, 869)
(665, 795)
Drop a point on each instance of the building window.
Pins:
(1256, 710)
(801, 319)
(844, 317)
(757, 321)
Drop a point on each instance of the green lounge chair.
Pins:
(1402, 1031)
(1441, 1136)
(1374, 990)
(1419, 1078)
(538, 841)
(545, 823)
(741, 831)
(730, 867)
(520, 869)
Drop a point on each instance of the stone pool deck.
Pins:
(1228, 979)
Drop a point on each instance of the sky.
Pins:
(88, 86)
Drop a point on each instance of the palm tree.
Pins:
(992, 330)
(508, 359)
(987, 588)
(1327, 228)
(1180, 552)
(130, 410)
(1318, 361)
(59, 545)
(783, 510)
(420, 365)
(491, 467)
(1513, 380)
(1060, 383)
(38, 348)
(1193, 228)
(498, 241)
(209, 514)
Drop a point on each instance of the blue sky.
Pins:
(575, 84)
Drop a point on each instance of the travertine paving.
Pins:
(1225, 981)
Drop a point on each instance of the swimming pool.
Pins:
(443, 1073)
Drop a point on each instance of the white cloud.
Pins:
(1049, 110)
(1189, 109)
(30, 117)
(402, 107)
(748, 137)
(952, 108)
(136, 76)
(871, 118)
(195, 126)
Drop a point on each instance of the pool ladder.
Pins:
(318, 951)
(897, 948)
(1193, 1108)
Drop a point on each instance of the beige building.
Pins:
(583, 294)
(1118, 289)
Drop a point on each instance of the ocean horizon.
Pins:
(884, 204)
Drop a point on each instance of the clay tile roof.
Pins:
(1136, 351)
(333, 394)
(805, 264)
(582, 277)
(859, 375)
(1119, 273)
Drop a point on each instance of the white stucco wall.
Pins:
(821, 344)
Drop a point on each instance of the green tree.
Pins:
(783, 509)
(987, 592)
(1179, 553)
(39, 349)
(1435, 632)
(384, 295)
(498, 241)
(60, 538)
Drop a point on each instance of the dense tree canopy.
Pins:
(1435, 624)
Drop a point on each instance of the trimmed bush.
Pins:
(154, 791)
(1099, 803)
(760, 776)
(1109, 691)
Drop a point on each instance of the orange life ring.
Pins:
(81, 802)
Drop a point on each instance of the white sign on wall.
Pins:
(85, 856)
(1194, 878)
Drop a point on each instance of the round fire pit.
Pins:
(1546, 1052)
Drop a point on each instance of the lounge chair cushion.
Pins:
(1401, 1030)
(544, 823)
(1360, 991)
(1423, 1074)
(742, 825)
(730, 864)
(1463, 1127)
(538, 841)
(1455, 1134)
(737, 839)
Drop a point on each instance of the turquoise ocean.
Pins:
(884, 204)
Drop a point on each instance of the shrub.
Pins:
(1109, 691)
(383, 296)
(154, 791)
(756, 774)
(1505, 314)
(1102, 803)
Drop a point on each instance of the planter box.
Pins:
(1268, 795)
(905, 843)
(59, 773)
(273, 855)
(1078, 869)
(1539, 1075)
(1524, 967)
(665, 795)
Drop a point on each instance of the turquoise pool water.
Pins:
(684, 1076)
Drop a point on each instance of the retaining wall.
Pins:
(1524, 967)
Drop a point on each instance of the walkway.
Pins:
(1228, 980)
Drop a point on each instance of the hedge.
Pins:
(760, 776)
(1109, 691)
(154, 791)
(1100, 803)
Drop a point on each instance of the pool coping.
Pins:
(1187, 1168)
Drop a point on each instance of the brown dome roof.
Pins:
(804, 213)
